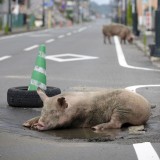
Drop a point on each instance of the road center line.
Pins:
(50, 40)
(30, 48)
(61, 36)
(4, 57)
(75, 31)
(122, 60)
(69, 34)
(82, 29)
(145, 151)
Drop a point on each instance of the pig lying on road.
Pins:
(99, 110)
(116, 29)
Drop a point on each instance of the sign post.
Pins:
(155, 49)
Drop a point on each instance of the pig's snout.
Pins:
(41, 126)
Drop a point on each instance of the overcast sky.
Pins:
(101, 1)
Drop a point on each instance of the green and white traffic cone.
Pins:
(38, 78)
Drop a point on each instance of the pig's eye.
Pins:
(53, 111)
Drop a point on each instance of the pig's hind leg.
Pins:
(114, 123)
(109, 39)
(31, 122)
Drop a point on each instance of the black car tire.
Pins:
(21, 97)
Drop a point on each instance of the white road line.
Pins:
(30, 48)
(145, 151)
(122, 60)
(75, 32)
(82, 29)
(4, 57)
(39, 35)
(18, 77)
(13, 36)
(133, 88)
(7, 37)
(69, 34)
(66, 57)
(61, 36)
(50, 40)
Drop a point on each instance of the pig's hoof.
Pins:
(21, 97)
(26, 124)
(97, 128)
(30, 125)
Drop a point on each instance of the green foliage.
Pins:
(145, 42)
(6, 29)
(144, 39)
(129, 13)
(69, 15)
(1, 1)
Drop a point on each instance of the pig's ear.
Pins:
(42, 94)
(62, 102)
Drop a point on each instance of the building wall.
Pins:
(142, 7)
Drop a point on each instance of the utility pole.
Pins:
(155, 49)
(28, 15)
(78, 11)
(43, 13)
(150, 14)
(124, 12)
(9, 19)
(135, 17)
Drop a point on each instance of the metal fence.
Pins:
(18, 21)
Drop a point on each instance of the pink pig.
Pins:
(97, 110)
(119, 30)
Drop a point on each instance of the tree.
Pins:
(1, 1)
(19, 1)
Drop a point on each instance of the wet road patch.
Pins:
(11, 120)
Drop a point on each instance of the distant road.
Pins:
(76, 59)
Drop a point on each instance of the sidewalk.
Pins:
(25, 29)
(150, 39)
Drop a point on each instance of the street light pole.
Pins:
(155, 49)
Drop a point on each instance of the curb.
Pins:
(145, 49)
(21, 30)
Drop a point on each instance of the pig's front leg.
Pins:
(31, 123)
(104, 39)
(114, 123)
(67, 119)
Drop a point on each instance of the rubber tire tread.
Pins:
(21, 97)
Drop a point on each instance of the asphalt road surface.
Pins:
(76, 60)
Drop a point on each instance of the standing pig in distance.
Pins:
(119, 30)
(97, 110)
